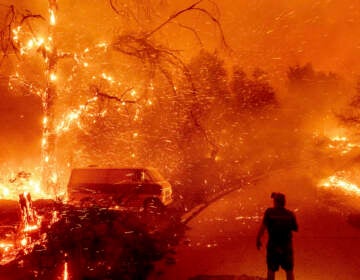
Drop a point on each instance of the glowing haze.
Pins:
(75, 37)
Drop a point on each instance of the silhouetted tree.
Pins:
(129, 72)
(252, 94)
(304, 78)
(350, 116)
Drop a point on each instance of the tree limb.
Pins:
(111, 97)
(172, 17)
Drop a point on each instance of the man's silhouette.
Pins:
(279, 223)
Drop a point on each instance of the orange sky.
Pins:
(323, 32)
(267, 33)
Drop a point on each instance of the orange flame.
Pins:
(52, 17)
(342, 143)
(66, 271)
(339, 183)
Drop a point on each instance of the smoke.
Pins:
(20, 122)
(281, 33)
(271, 34)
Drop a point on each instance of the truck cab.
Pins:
(128, 187)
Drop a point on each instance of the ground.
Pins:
(220, 241)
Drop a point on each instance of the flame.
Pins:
(52, 17)
(30, 44)
(66, 272)
(25, 45)
(39, 41)
(30, 228)
(20, 183)
(24, 241)
(107, 77)
(102, 45)
(73, 117)
(43, 142)
(45, 121)
(16, 32)
(137, 113)
(53, 77)
(339, 183)
(68, 120)
(5, 191)
(55, 217)
(133, 93)
(339, 138)
(343, 144)
(6, 246)
(54, 177)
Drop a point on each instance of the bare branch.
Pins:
(193, 31)
(193, 7)
(215, 20)
(124, 13)
(30, 16)
(114, 8)
(14, 18)
(111, 97)
(141, 47)
(168, 77)
(172, 17)
(196, 122)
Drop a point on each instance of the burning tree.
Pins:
(108, 86)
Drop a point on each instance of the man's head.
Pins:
(279, 199)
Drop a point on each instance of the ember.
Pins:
(156, 83)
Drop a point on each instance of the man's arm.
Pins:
(260, 235)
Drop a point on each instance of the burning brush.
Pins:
(22, 239)
(30, 220)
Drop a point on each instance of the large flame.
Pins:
(66, 270)
(21, 182)
(343, 144)
(337, 182)
(21, 240)
(341, 180)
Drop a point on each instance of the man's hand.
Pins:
(258, 243)
(259, 236)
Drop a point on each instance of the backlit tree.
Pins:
(94, 86)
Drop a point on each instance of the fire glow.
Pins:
(32, 42)
(343, 144)
(22, 182)
(22, 241)
(66, 270)
(339, 183)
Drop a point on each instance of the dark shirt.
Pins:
(280, 222)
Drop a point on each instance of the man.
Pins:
(279, 223)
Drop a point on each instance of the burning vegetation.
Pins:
(108, 86)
